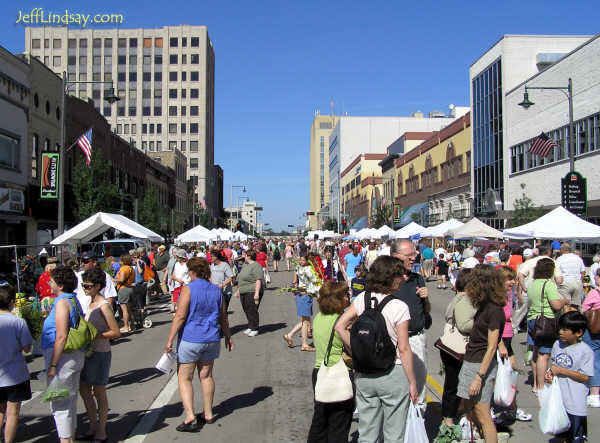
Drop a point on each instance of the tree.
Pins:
(203, 217)
(330, 224)
(416, 217)
(92, 188)
(151, 214)
(525, 211)
(382, 216)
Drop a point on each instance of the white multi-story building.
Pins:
(163, 76)
(509, 62)
(352, 136)
(538, 177)
(248, 212)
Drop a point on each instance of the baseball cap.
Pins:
(87, 255)
(527, 253)
(162, 247)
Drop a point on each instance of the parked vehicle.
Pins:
(118, 247)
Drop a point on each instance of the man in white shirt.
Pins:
(88, 261)
(573, 270)
(385, 248)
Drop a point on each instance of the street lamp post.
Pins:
(568, 91)
(110, 98)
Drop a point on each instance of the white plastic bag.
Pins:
(506, 383)
(415, 426)
(553, 416)
(469, 432)
(167, 362)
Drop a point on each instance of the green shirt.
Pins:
(534, 298)
(322, 325)
(247, 277)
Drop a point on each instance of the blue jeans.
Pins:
(594, 343)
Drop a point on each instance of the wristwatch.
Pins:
(481, 376)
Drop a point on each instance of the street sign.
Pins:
(574, 193)
(397, 213)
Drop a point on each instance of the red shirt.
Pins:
(43, 286)
(151, 258)
(343, 252)
(515, 261)
(228, 253)
(261, 259)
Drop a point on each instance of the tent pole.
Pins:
(17, 268)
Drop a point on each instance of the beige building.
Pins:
(319, 166)
(163, 76)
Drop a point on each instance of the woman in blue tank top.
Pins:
(199, 318)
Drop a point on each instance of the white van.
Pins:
(118, 247)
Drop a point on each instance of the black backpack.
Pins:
(373, 352)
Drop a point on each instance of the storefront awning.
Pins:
(407, 214)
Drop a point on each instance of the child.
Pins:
(442, 270)
(359, 282)
(14, 375)
(573, 364)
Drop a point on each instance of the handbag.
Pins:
(452, 341)
(82, 335)
(545, 330)
(333, 382)
(593, 320)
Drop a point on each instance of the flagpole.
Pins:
(75, 142)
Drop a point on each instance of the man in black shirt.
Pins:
(414, 293)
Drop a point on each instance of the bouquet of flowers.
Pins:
(31, 312)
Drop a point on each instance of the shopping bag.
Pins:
(58, 389)
(167, 363)
(415, 426)
(553, 416)
(506, 383)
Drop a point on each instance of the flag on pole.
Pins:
(542, 145)
(85, 143)
(203, 202)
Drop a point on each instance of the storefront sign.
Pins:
(12, 200)
(50, 171)
(574, 193)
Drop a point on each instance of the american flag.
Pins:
(542, 145)
(203, 202)
(85, 143)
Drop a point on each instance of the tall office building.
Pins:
(319, 167)
(164, 77)
(510, 61)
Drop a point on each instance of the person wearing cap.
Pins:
(572, 267)
(89, 261)
(161, 260)
(180, 276)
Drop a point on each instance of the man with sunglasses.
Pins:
(88, 261)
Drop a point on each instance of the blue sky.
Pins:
(279, 61)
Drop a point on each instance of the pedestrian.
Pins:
(43, 286)
(221, 275)
(590, 304)
(573, 271)
(263, 260)
(89, 261)
(201, 313)
(332, 265)
(276, 257)
(428, 256)
(543, 299)
(460, 313)
(516, 259)
(96, 368)
(441, 270)
(161, 260)
(170, 282)
(125, 280)
(371, 254)
(331, 421)
(65, 366)
(352, 260)
(485, 289)
(573, 364)
(250, 291)
(14, 375)
(359, 282)
(179, 276)
(305, 280)
(383, 399)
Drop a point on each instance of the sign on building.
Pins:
(49, 181)
(574, 193)
(12, 200)
(397, 213)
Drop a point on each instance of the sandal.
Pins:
(289, 341)
(188, 427)
(308, 348)
(201, 419)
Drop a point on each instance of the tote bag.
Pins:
(452, 341)
(82, 335)
(333, 382)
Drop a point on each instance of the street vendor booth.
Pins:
(197, 234)
(475, 228)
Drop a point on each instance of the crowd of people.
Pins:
(382, 285)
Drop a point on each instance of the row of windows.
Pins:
(122, 60)
(121, 42)
(587, 139)
(153, 146)
(36, 151)
(125, 129)
(353, 184)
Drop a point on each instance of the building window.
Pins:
(122, 43)
(56, 43)
(83, 43)
(35, 147)
(172, 93)
(97, 43)
(152, 146)
(133, 129)
(183, 111)
(146, 111)
(72, 43)
(172, 128)
(183, 127)
(173, 42)
(172, 76)
(9, 151)
(144, 128)
(146, 93)
(183, 76)
(35, 43)
(193, 163)
(158, 76)
(126, 129)
(108, 43)
(158, 146)
(182, 144)
(158, 93)
(173, 59)
(172, 111)
(147, 60)
(194, 146)
(193, 128)
(194, 76)
(157, 111)
(119, 129)
(107, 111)
(71, 60)
(56, 61)
(133, 76)
(151, 128)
(132, 61)
(158, 59)
(194, 59)
(121, 111)
(147, 43)
(121, 59)
(183, 59)
(133, 42)
(172, 145)
(146, 76)
(158, 42)
(159, 128)
(107, 76)
(121, 77)
(194, 93)
(194, 42)
(108, 60)
(183, 42)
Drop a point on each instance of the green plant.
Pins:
(152, 215)
(448, 434)
(416, 217)
(382, 216)
(330, 224)
(525, 211)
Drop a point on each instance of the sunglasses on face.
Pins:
(87, 286)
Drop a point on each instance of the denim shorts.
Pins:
(542, 348)
(188, 352)
(96, 369)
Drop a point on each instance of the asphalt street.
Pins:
(263, 388)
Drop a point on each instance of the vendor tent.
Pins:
(195, 235)
(442, 229)
(558, 224)
(410, 229)
(101, 222)
(239, 235)
(385, 230)
(475, 228)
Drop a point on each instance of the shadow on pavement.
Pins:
(133, 376)
(127, 422)
(242, 401)
(272, 327)
(118, 341)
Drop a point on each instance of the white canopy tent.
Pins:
(410, 229)
(385, 230)
(442, 229)
(558, 224)
(239, 235)
(367, 233)
(195, 235)
(475, 228)
(100, 223)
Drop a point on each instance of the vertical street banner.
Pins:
(397, 215)
(49, 180)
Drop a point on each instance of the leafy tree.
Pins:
(416, 217)
(151, 214)
(525, 211)
(203, 217)
(92, 188)
(382, 216)
(330, 224)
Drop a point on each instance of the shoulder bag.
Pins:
(545, 329)
(593, 320)
(82, 335)
(452, 341)
(333, 382)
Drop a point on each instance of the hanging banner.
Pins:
(49, 180)
(397, 215)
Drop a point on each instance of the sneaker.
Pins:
(252, 333)
(594, 401)
(247, 331)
